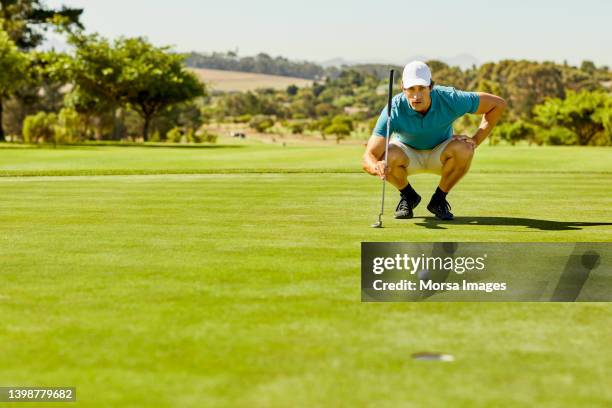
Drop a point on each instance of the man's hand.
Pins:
(466, 139)
(381, 169)
(372, 162)
(491, 107)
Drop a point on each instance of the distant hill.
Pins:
(280, 66)
(463, 61)
(232, 81)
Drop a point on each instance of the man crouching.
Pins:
(422, 119)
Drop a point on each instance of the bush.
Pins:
(371, 124)
(325, 109)
(344, 101)
(261, 123)
(292, 90)
(39, 128)
(188, 135)
(297, 127)
(243, 118)
(204, 136)
(174, 135)
(321, 125)
(184, 115)
(588, 115)
(557, 136)
(513, 132)
(71, 127)
(466, 124)
(155, 136)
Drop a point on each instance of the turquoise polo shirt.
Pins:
(424, 132)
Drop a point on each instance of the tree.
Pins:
(41, 88)
(132, 72)
(292, 90)
(523, 84)
(261, 123)
(13, 64)
(185, 115)
(325, 109)
(96, 71)
(26, 20)
(154, 79)
(341, 127)
(436, 65)
(578, 80)
(297, 127)
(96, 112)
(446, 75)
(588, 67)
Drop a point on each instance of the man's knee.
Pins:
(397, 158)
(462, 152)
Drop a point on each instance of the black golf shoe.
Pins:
(405, 207)
(441, 209)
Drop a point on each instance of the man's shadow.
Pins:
(542, 225)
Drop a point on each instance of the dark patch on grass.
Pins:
(542, 225)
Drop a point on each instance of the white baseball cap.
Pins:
(416, 73)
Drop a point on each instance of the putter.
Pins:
(379, 223)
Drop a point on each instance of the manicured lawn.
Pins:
(225, 289)
(249, 156)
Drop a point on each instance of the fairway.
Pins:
(229, 276)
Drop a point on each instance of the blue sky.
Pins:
(389, 31)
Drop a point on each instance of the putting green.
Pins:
(243, 289)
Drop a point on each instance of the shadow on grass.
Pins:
(542, 225)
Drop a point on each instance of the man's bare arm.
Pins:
(492, 107)
(375, 151)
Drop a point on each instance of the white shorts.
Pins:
(422, 161)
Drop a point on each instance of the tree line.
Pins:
(129, 88)
(261, 63)
(548, 103)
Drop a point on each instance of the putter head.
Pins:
(378, 224)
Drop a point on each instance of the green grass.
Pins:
(27, 160)
(243, 289)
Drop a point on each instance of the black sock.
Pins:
(439, 195)
(408, 192)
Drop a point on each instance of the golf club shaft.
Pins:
(391, 73)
